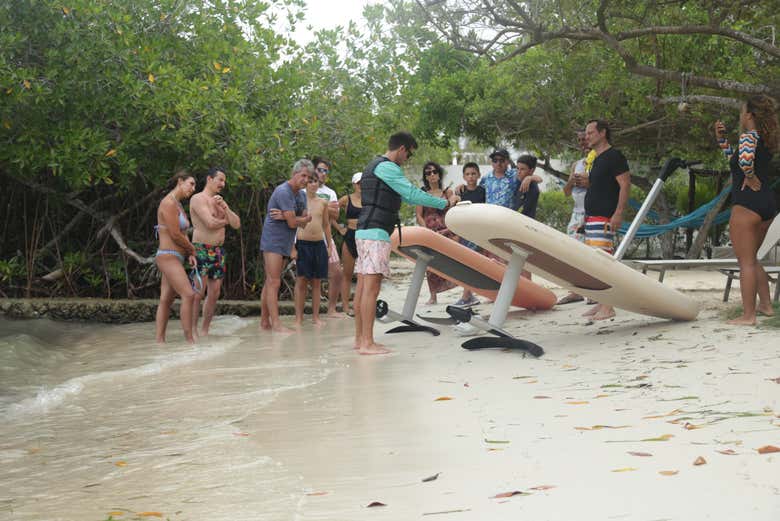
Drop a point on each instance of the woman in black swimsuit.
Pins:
(352, 205)
(754, 201)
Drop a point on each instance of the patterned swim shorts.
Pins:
(574, 228)
(598, 234)
(373, 257)
(211, 260)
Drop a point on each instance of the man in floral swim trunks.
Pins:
(384, 187)
(210, 214)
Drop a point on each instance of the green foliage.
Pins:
(555, 209)
(11, 269)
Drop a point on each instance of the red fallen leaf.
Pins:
(507, 494)
(728, 452)
(540, 397)
(375, 504)
(466, 385)
(319, 493)
(543, 487)
(242, 434)
(699, 461)
(768, 449)
(640, 454)
(443, 398)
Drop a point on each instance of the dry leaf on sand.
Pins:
(375, 504)
(699, 461)
(728, 452)
(543, 487)
(431, 478)
(640, 454)
(668, 472)
(625, 469)
(149, 514)
(443, 398)
(768, 449)
(507, 494)
(318, 493)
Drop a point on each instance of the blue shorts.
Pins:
(468, 244)
(312, 261)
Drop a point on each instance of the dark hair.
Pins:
(471, 165)
(528, 160)
(316, 160)
(401, 139)
(764, 110)
(602, 126)
(214, 170)
(174, 181)
(439, 170)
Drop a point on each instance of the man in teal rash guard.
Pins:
(383, 187)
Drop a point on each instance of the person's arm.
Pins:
(723, 143)
(569, 186)
(392, 174)
(748, 142)
(326, 227)
(418, 213)
(233, 220)
(624, 180)
(526, 182)
(199, 207)
(170, 218)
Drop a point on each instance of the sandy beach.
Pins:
(631, 419)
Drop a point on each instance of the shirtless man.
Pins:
(311, 253)
(210, 214)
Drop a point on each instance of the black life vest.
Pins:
(380, 202)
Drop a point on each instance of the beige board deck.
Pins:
(568, 262)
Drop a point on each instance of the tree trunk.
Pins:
(701, 238)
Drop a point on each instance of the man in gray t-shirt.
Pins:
(286, 213)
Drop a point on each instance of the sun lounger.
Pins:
(661, 266)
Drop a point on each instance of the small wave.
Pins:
(49, 398)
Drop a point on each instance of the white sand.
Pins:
(376, 429)
(302, 428)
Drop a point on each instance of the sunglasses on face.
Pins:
(498, 160)
(322, 170)
(429, 172)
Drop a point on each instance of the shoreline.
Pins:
(122, 311)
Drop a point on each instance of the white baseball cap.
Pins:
(356, 177)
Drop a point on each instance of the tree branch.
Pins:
(731, 103)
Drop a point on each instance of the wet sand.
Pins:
(301, 428)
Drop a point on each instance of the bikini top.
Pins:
(184, 223)
(353, 212)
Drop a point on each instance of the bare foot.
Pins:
(431, 301)
(743, 321)
(204, 332)
(592, 311)
(336, 314)
(374, 349)
(317, 321)
(767, 311)
(282, 329)
(265, 325)
(604, 313)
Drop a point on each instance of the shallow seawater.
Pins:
(96, 419)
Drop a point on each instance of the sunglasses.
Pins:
(429, 172)
(323, 170)
(498, 159)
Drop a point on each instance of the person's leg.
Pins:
(335, 276)
(265, 321)
(432, 299)
(316, 290)
(273, 263)
(346, 279)
(372, 284)
(744, 227)
(299, 293)
(356, 306)
(163, 308)
(762, 280)
(178, 280)
(210, 304)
